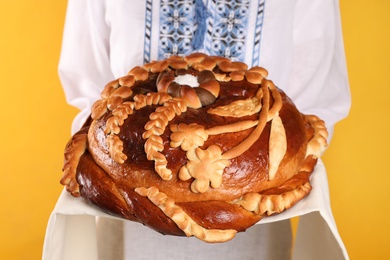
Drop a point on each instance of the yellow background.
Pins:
(35, 123)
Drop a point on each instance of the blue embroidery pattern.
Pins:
(148, 31)
(176, 27)
(227, 28)
(258, 29)
(217, 27)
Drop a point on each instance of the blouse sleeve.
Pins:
(319, 82)
(84, 66)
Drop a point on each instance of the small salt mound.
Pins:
(187, 79)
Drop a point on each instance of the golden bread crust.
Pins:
(206, 157)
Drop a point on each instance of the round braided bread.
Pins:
(196, 146)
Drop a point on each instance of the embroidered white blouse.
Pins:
(298, 41)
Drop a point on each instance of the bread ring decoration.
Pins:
(198, 89)
(194, 146)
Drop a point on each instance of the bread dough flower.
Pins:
(188, 137)
(206, 166)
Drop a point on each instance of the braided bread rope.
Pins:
(182, 220)
(75, 148)
(204, 166)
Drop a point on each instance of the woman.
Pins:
(298, 41)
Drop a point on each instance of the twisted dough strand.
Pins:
(155, 127)
(73, 152)
(120, 114)
(182, 219)
(271, 204)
